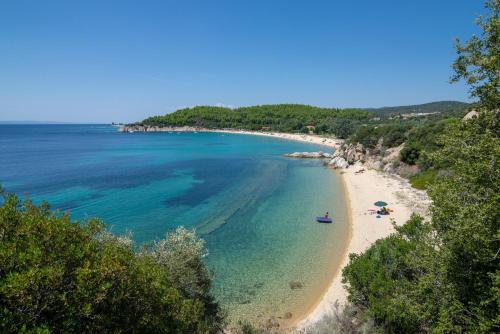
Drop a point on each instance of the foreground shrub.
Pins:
(424, 179)
(346, 320)
(67, 277)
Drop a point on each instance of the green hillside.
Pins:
(293, 117)
(432, 107)
(279, 117)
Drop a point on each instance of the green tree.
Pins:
(466, 221)
(443, 276)
(410, 154)
(478, 61)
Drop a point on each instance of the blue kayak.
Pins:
(323, 220)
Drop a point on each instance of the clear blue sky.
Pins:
(103, 61)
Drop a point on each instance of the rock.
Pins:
(258, 285)
(389, 168)
(272, 323)
(288, 315)
(338, 162)
(374, 162)
(380, 144)
(392, 154)
(338, 153)
(351, 155)
(295, 285)
(470, 115)
(308, 155)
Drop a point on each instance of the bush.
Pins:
(380, 280)
(410, 154)
(346, 320)
(424, 179)
(69, 277)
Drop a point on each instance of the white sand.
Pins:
(363, 190)
(313, 139)
(307, 138)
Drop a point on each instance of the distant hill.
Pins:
(432, 107)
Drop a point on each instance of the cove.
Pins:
(254, 208)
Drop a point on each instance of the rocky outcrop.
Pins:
(470, 115)
(378, 158)
(153, 128)
(347, 154)
(338, 162)
(309, 155)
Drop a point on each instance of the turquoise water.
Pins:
(253, 207)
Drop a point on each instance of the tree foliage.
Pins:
(280, 117)
(68, 277)
(443, 276)
(478, 59)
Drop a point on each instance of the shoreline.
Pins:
(360, 191)
(302, 137)
(319, 308)
(305, 138)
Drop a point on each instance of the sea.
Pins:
(254, 208)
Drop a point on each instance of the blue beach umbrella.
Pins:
(380, 203)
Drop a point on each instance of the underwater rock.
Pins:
(272, 323)
(295, 285)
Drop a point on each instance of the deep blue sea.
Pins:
(254, 208)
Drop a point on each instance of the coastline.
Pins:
(306, 138)
(323, 304)
(360, 191)
(302, 137)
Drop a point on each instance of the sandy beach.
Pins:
(364, 189)
(313, 139)
(307, 138)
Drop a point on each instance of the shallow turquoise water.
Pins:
(253, 207)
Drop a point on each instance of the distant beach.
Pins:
(302, 137)
(307, 138)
